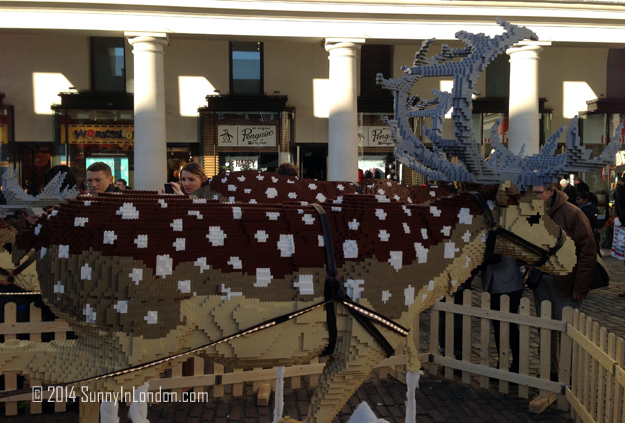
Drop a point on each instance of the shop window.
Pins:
(246, 68)
(375, 59)
(108, 64)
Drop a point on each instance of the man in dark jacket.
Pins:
(580, 185)
(568, 290)
(100, 179)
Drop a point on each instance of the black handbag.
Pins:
(601, 277)
(533, 279)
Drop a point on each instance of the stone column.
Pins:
(150, 164)
(524, 119)
(343, 119)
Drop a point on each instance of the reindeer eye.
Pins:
(534, 219)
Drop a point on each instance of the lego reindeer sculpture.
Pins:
(148, 280)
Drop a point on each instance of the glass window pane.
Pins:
(108, 64)
(246, 72)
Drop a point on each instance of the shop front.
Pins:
(242, 133)
(375, 147)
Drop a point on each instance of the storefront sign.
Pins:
(375, 136)
(235, 164)
(98, 134)
(246, 136)
(620, 158)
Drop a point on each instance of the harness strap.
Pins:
(10, 275)
(333, 291)
(498, 230)
(358, 187)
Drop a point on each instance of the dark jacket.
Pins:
(591, 211)
(619, 201)
(571, 192)
(573, 221)
(113, 188)
(582, 186)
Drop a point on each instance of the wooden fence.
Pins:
(590, 376)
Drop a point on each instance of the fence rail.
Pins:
(591, 378)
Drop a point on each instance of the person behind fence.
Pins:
(100, 179)
(502, 275)
(568, 290)
(287, 169)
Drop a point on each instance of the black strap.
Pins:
(10, 275)
(498, 230)
(358, 187)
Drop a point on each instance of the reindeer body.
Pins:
(141, 277)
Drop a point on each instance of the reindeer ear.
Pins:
(506, 189)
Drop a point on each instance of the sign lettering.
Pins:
(246, 136)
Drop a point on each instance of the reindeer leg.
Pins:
(138, 411)
(412, 377)
(109, 411)
(356, 354)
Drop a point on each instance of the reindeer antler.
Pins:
(480, 50)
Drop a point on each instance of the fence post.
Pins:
(603, 338)
(198, 369)
(610, 380)
(524, 349)
(35, 316)
(545, 398)
(485, 340)
(504, 342)
(618, 396)
(566, 354)
(10, 378)
(449, 338)
(434, 347)
(467, 301)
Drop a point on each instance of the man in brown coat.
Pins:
(568, 290)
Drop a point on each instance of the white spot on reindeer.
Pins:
(263, 277)
(63, 251)
(201, 263)
(247, 190)
(484, 237)
(409, 294)
(465, 217)
(79, 221)
(236, 263)
(224, 180)
(142, 241)
(424, 233)
(162, 203)
(322, 240)
(491, 204)
(184, 286)
(260, 177)
(121, 307)
(450, 250)
(340, 187)
(424, 297)
(43, 252)
(85, 272)
(432, 194)
(199, 201)
(288, 181)
(382, 199)
(304, 203)
(109, 237)
(338, 200)
(406, 228)
(292, 195)
(39, 226)
(435, 212)
(467, 236)
(89, 313)
(409, 199)
(128, 211)
(350, 249)
(396, 197)
(308, 219)
(389, 184)
(381, 214)
(261, 236)
(59, 288)
(466, 264)
(384, 235)
(252, 201)
(273, 215)
(312, 186)
(164, 265)
(227, 293)
(180, 244)
(274, 179)
(386, 295)
(241, 178)
(87, 203)
(446, 230)
(381, 191)
(176, 225)
(353, 225)
(286, 245)
(406, 209)
(271, 193)
(216, 236)
(431, 286)
(231, 199)
(237, 213)
(354, 290)
(53, 213)
(422, 252)
(232, 188)
(396, 259)
(151, 317)
(320, 197)
(337, 209)
(305, 285)
(300, 211)
(454, 282)
(195, 213)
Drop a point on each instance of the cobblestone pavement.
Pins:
(438, 400)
